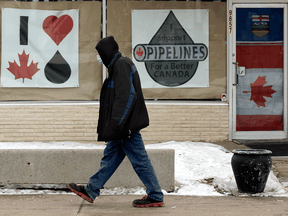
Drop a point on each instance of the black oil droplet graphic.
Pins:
(169, 71)
(57, 70)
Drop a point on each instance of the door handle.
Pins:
(236, 73)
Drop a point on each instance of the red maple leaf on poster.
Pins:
(23, 71)
(259, 91)
(139, 52)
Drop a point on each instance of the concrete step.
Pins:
(280, 168)
(280, 163)
(62, 166)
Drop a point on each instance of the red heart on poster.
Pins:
(58, 28)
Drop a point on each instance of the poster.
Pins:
(40, 48)
(170, 47)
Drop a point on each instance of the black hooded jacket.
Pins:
(122, 107)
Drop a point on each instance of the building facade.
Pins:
(210, 71)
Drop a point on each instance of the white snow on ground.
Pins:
(201, 169)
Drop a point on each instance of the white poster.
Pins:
(39, 48)
(170, 47)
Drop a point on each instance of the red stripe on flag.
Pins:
(259, 122)
(266, 56)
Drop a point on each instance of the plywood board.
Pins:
(119, 25)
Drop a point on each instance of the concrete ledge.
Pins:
(280, 167)
(62, 166)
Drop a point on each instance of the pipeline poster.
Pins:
(39, 48)
(171, 47)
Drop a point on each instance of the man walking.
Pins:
(122, 115)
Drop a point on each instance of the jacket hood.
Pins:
(107, 48)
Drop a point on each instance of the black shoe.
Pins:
(80, 191)
(147, 202)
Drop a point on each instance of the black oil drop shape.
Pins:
(171, 72)
(57, 70)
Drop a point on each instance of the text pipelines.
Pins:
(147, 52)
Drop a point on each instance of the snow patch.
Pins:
(201, 169)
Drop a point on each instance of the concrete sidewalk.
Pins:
(72, 205)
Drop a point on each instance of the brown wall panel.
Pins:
(119, 25)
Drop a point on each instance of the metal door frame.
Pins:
(231, 77)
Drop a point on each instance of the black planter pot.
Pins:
(251, 169)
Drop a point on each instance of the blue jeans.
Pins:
(114, 153)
